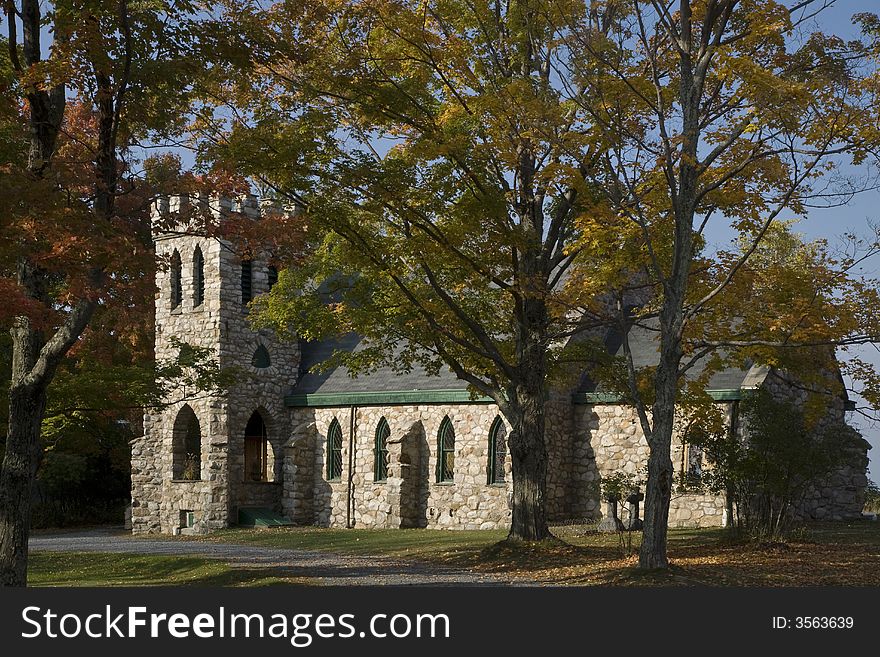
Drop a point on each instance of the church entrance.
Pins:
(257, 465)
(259, 485)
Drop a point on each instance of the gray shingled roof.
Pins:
(643, 343)
(337, 380)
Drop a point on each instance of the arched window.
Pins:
(256, 450)
(198, 278)
(380, 459)
(692, 453)
(446, 451)
(694, 462)
(186, 446)
(497, 451)
(272, 276)
(261, 359)
(176, 280)
(334, 451)
(246, 285)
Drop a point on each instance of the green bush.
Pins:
(618, 485)
(768, 474)
(85, 473)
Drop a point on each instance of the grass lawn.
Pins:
(829, 554)
(840, 553)
(104, 569)
(426, 544)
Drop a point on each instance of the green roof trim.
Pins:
(410, 397)
(734, 394)
(383, 398)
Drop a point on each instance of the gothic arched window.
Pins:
(334, 451)
(497, 451)
(446, 451)
(380, 457)
(261, 359)
(186, 446)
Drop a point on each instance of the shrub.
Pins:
(768, 474)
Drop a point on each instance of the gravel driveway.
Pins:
(325, 568)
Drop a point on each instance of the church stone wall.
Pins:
(840, 495)
(411, 495)
(612, 435)
(561, 461)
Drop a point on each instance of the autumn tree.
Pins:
(442, 167)
(487, 183)
(115, 75)
(732, 112)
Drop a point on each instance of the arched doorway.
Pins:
(259, 458)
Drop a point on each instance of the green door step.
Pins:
(261, 517)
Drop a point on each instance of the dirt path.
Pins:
(326, 568)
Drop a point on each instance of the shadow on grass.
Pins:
(531, 557)
(104, 569)
(823, 554)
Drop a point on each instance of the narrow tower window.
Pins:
(272, 276)
(176, 280)
(198, 278)
(246, 286)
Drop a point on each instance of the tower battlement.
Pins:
(189, 208)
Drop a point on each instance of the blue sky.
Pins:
(854, 217)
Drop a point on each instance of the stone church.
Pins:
(381, 450)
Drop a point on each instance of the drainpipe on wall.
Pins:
(734, 430)
(349, 497)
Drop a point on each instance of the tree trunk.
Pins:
(684, 196)
(527, 395)
(658, 492)
(27, 403)
(34, 359)
(528, 454)
(728, 502)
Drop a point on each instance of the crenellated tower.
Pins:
(205, 457)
